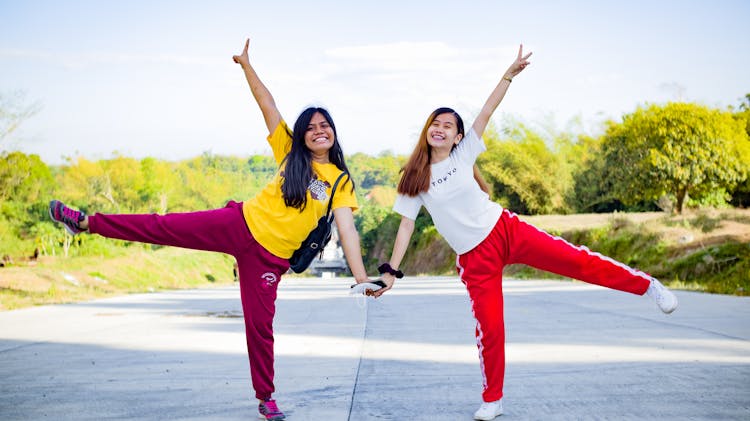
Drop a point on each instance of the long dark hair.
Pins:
(415, 177)
(298, 170)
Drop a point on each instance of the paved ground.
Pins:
(575, 352)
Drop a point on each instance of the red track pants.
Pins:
(514, 241)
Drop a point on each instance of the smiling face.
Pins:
(319, 136)
(442, 134)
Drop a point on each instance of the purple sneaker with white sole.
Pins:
(269, 411)
(70, 218)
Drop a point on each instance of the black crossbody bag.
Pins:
(318, 238)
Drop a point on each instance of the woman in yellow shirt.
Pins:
(261, 233)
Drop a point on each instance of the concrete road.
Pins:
(575, 352)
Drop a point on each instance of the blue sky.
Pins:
(155, 78)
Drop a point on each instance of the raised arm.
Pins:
(262, 95)
(499, 92)
(405, 230)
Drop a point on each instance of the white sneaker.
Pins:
(489, 410)
(664, 298)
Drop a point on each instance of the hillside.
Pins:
(692, 229)
(701, 250)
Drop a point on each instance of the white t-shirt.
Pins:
(462, 213)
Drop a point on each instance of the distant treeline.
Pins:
(664, 157)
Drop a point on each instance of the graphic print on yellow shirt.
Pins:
(281, 229)
(317, 188)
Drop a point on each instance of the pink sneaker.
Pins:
(70, 218)
(269, 411)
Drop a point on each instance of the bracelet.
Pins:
(509, 79)
(386, 268)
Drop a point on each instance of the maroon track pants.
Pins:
(515, 241)
(223, 230)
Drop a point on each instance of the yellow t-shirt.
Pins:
(281, 229)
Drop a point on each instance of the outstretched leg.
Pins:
(534, 247)
(221, 230)
(531, 246)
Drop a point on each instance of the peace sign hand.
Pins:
(519, 64)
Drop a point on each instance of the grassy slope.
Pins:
(705, 251)
(63, 280)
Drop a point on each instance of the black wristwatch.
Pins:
(386, 268)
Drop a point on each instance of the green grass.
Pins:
(702, 221)
(54, 280)
(721, 269)
(99, 267)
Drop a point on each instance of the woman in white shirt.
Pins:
(439, 176)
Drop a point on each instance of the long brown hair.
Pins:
(415, 177)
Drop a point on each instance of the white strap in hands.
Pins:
(363, 287)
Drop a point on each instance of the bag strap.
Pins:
(333, 191)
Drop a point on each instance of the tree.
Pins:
(23, 178)
(592, 191)
(526, 176)
(741, 195)
(679, 149)
(368, 171)
(13, 112)
(593, 187)
(26, 184)
(123, 180)
(86, 185)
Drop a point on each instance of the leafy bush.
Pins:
(723, 269)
